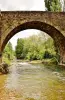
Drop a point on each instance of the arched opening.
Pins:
(50, 30)
(25, 71)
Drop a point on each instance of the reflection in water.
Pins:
(32, 82)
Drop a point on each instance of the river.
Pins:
(32, 82)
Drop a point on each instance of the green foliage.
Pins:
(47, 55)
(35, 48)
(53, 5)
(8, 53)
(19, 49)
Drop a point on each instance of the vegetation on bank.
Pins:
(36, 48)
(8, 54)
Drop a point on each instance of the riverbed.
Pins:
(32, 82)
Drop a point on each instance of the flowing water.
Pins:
(32, 82)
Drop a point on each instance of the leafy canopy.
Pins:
(53, 5)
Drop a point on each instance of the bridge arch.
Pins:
(49, 29)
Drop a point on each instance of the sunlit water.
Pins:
(32, 82)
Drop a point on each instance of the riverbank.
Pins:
(44, 61)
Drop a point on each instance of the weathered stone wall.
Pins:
(53, 23)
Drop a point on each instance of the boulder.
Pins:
(4, 68)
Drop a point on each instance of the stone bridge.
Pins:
(53, 23)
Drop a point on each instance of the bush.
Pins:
(47, 55)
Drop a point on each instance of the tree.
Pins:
(8, 51)
(53, 5)
(35, 48)
(19, 49)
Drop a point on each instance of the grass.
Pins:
(6, 60)
(44, 61)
